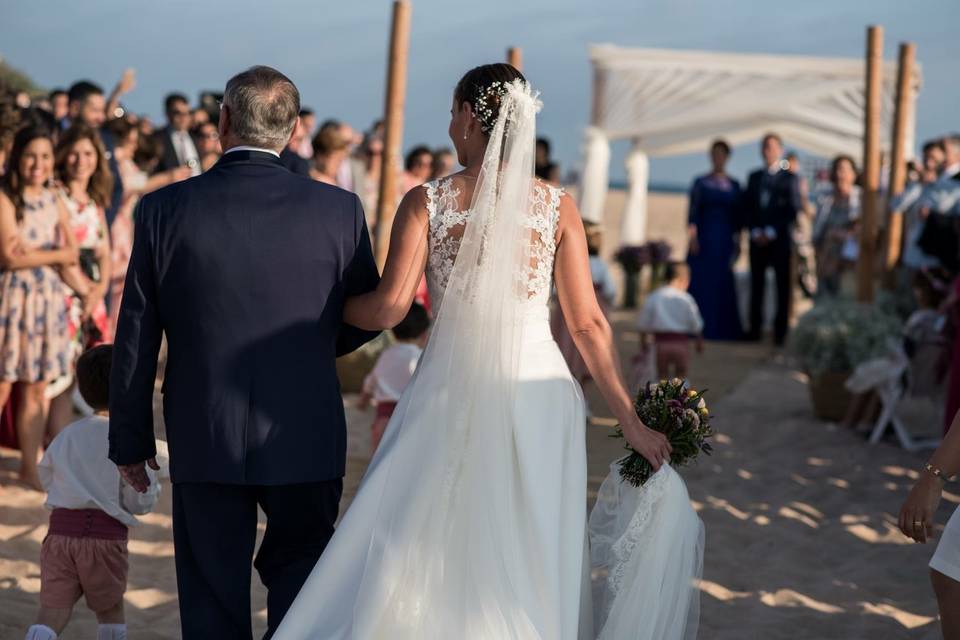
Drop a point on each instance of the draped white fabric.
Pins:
(677, 101)
(633, 228)
(596, 171)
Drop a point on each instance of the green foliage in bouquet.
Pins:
(837, 335)
(674, 409)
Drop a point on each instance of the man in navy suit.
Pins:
(771, 202)
(245, 269)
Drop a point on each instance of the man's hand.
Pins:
(135, 474)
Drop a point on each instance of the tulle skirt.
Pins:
(484, 537)
(511, 560)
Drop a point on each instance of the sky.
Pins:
(336, 51)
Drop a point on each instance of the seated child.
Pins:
(394, 368)
(671, 316)
(85, 550)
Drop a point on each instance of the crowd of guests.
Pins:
(786, 223)
(74, 164)
(782, 217)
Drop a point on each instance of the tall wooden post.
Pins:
(898, 169)
(515, 58)
(871, 164)
(393, 126)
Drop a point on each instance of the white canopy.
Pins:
(673, 102)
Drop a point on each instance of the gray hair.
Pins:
(264, 105)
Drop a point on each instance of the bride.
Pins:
(471, 521)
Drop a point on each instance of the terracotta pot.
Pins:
(829, 395)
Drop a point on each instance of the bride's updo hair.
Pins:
(477, 87)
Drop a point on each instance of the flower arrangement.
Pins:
(676, 410)
(633, 258)
(837, 335)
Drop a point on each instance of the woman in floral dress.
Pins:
(81, 165)
(35, 244)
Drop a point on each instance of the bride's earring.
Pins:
(465, 134)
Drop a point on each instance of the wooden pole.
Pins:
(871, 164)
(515, 58)
(393, 126)
(898, 169)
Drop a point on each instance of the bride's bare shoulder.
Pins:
(415, 202)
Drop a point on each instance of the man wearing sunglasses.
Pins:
(178, 147)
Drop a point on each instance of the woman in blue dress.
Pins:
(714, 227)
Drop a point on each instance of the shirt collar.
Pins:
(244, 147)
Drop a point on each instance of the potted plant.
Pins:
(632, 258)
(830, 340)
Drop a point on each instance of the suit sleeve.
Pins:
(361, 276)
(796, 200)
(750, 203)
(135, 351)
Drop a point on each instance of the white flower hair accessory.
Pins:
(491, 98)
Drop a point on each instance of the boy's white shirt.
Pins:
(77, 474)
(393, 372)
(670, 310)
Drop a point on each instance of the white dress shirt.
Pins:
(670, 310)
(76, 474)
(245, 147)
(393, 371)
(185, 149)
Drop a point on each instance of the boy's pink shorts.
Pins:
(93, 567)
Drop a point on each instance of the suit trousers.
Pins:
(776, 255)
(214, 535)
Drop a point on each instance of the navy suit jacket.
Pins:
(781, 207)
(245, 268)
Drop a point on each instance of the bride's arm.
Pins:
(388, 304)
(592, 334)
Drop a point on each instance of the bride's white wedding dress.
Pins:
(471, 519)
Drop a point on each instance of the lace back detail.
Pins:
(448, 216)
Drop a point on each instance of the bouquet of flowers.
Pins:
(676, 410)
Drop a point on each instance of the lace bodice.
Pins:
(448, 216)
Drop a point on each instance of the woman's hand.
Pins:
(92, 299)
(651, 444)
(693, 248)
(916, 514)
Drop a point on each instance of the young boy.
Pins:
(671, 316)
(394, 368)
(85, 551)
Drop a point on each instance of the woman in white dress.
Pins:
(916, 521)
(471, 521)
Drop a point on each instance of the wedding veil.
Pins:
(446, 552)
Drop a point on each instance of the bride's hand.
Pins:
(651, 444)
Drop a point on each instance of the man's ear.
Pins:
(223, 125)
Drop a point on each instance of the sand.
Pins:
(799, 514)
